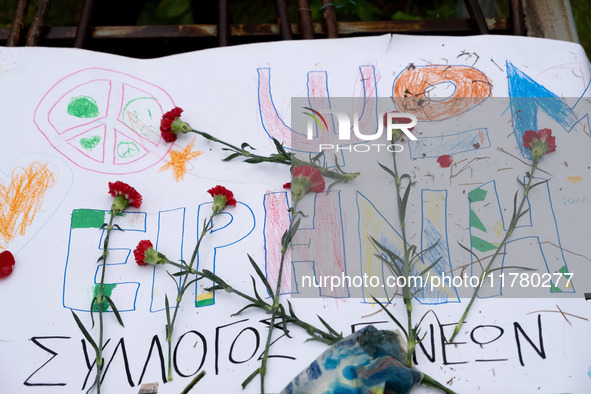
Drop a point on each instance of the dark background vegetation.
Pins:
(173, 12)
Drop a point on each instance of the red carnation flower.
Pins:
(125, 195)
(173, 113)
(140, 252)
(6, 263)
(313, 175)
(396, 133)
(166, 124)
(145, 254)
(287, 185)
(540, 143)
(305, 179)
(221, 198)
(171, 125)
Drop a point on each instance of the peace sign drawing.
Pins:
(105, 121)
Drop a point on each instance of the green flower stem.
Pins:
(429, 381)
(406, 291)
(184, 284)
(315, 332)
(99, 301)
(274, 310)
(514, 220)
(276, 305)
(193, 382)
(412, 335)
(282, 157)
(342, 177)
(221, 285)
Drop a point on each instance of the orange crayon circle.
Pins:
(439, 92)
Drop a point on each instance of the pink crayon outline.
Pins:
(104, 132)
(58, 144)
(90, 121)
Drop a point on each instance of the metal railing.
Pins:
(86, 34)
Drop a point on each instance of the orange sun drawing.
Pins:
(179, 160)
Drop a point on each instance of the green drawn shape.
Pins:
(554, 289)
(475, 221)
(127, 149)
(308, 244)
(140, 110)
(130, 102)
(107, 290)
(90, 143)
(477, 195)
(482, 245)
(206, 302)
(83, 107)
(87, 218)
(563, 270)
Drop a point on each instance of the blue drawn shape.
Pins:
(441, 91)
(319, 78)
(434, 238)
(323, 233)
(489, 211)
(319, 232)
(431, 234)
(272, 226)
(582, 108)
(589, 372)
(125, 293)
(449, 144)
(297, 272)
(171, 232)
(318, 96)
(526, 98)
(224, 215)
(387, 238)
(231, 231)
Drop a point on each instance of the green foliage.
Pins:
(166, 12)
(582, 16)
(403, 16)
(422, 9)
(61, 12)
(446, 10)
(158, 12)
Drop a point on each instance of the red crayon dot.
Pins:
(445, 161)
(6, 263)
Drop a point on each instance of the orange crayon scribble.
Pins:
(415, 90)
(136, 123)
(142, 128)
(179, 160)
(21, 199)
